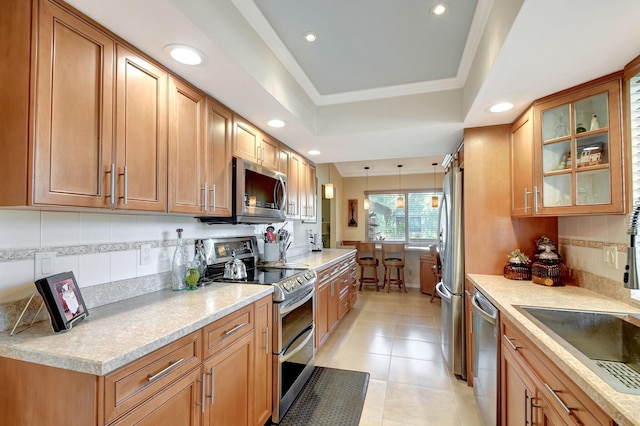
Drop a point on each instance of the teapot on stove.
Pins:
(235, 269)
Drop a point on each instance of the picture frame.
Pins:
(352, 213)
(63, 299)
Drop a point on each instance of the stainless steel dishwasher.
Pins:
(485, 357)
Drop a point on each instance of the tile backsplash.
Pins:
(104, 248)
(582, 243)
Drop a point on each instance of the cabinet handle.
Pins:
(266, 340)
(205, 197)
(125, 186)
(514, 347)
(212, 384)
(535, 199)
(202, 388)
(172, 366)
(112, 185)
(213, 197)
(332, 288)
(526, 408)
(557, 398)
(526, 199)
(234, 329)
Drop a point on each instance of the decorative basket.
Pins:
(548, 272)
(517, 271)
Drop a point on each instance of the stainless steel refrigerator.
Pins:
(451, 288)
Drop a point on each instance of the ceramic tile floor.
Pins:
(395, 337)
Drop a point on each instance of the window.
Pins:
(416, 223)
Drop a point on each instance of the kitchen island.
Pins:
(506, 295)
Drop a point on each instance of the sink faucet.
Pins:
(631, 270)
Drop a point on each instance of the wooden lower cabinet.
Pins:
(533, 391)
(220, 374)
(230, 383)
(427, 277)
(334, 297)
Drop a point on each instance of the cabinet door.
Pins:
(179, 404)
(141, 136)
(263, 378)
(293, 187)
(73, 111)
(522, 190)
(186, 148)
(310, 192)
(517, 396)
(579, 150)
(304, 189)
(269, 152)
(334, 299)
(246, 140)
(322, 310)
(218, 167)
(230, 384)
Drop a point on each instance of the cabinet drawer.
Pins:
(227, 330)
(343, 304)
(134, 383)
(324, 275)
(568, 401)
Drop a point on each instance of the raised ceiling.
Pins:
(385, 80)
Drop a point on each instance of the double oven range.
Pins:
(293, 312)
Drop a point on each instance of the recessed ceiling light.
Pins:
(185, 54)
(310, 36)
(313, 152)
(439, 9)
(276, 123)
(501, 107)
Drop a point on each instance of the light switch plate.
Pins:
(611, 256)
(45, 264)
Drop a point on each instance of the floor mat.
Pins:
(331, 397)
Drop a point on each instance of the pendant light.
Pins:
(434, 199)
(366, 204)
(328, 187)
(400, 200)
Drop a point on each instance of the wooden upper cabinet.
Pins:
(72, 144)
(217, 159)
(141, 133)
(251, 144)
(293, 187)
(522, 188)
(579, 167)
(309, 215)
(186, 148)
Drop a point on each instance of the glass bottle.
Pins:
(179, 265)
(199, 259)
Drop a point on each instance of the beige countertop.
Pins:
(506, 294)
(115, 334)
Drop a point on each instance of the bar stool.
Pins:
(366, 258)
(393, 258)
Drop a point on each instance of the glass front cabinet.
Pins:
(578, 151)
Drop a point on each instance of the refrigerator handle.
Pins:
(439, 229)
(443, 293)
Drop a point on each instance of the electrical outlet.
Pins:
(45, 264)
(145, 254)
(611, 256)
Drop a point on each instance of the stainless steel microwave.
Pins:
(259, 195)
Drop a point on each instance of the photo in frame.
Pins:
(63, 299)
(352, 206)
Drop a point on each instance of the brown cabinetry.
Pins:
(307, 180)
(535, 391)
(263, 377)
(427, 277)
(217, 158)
(186, 148)
(334, 297)
(141, 133)
(251, 144)
(293, 186)
(576, 163)
(74, 101)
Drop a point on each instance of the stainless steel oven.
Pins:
(293, 313)
(293, 354)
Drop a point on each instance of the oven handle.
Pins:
(285, 358)
(297, 303)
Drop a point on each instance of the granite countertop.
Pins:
(321, 259)
(506, 294)
(115, 334)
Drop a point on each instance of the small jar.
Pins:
(517, 271)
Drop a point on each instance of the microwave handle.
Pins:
(283, 203)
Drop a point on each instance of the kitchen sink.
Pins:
(607, 342)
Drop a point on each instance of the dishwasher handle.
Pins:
(487, 316)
